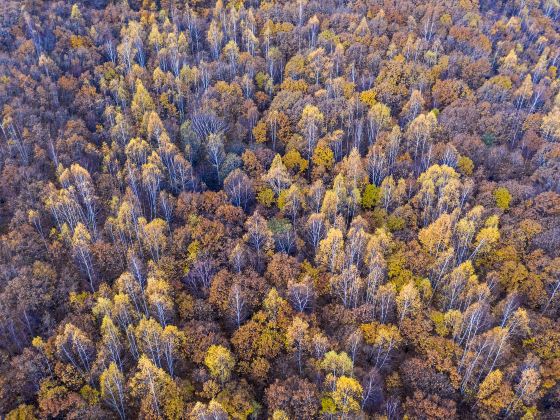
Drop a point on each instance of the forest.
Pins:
(279, 209)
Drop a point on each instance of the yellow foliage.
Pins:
(259, 131)
(323, 155)
(490, 384)
(368, 97)
(293, 159)
(347, 394)
(503, 198)
(77, 41)
(220, 362)
(294, 85)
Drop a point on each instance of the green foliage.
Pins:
(279, 225)
(395, 223)
(424, 288)
(261, 79)
(371, 196)
(438, 319)
(89, 394)
(488, 139)
(397, 271)
(328, 406)
(266, 197)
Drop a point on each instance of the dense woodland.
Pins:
(335, 209)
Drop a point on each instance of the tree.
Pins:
(296, 338)
(214, 37)
(347, 395)
(419, 132)
(311, 125)
(379, 118)
(384, 339)
(315, 227)
(526, 389)
(173, 341)
(331, 250)
(220, 362)
(148, 334)
(231, 50)
(370, 197)
(502, 197)
(337, 364)
(408, 301)
(347, 286)
(215, 152)
(457, 281)
(154, 237)
(323, 158)
(266, 197)
(76, 348)
(113, 389)
(239, 188)
(214, 410)
(82, 183)
(296, 397)
(431, 406)
(259, 132)
(258, 235)
(414, 106)
(436, 237)
(290, 202)
(301, 294)
(387, 191)
(353, 170)
(141, 102)
(439, 191)
(110, 336)
(152, 177)
(276, 121)
(156, 391)
(555, 283)
(237, 303)
(487, 236)
(277, 175)
(295, 162)
(81, 243)
(493, 394)
(159, 299)
(300, 183)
